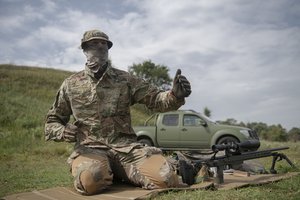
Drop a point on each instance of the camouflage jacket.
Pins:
(101, 108)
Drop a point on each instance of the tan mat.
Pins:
(125, 192)
(231, 181)
(117, 191)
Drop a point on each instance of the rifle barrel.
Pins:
(227, 160)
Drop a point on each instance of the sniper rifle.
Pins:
(235, 153)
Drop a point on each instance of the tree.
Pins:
(266, 132)
(207, 112)
(294, 134)
(275, 133)
(155, 74)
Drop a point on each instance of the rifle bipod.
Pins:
(278, 157)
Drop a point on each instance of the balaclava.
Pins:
(97, 56)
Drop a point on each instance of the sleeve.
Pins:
(155, 99)
(58, 116)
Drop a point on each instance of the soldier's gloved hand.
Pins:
(70, 133)
(181, 86)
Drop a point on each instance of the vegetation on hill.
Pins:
(26, 94)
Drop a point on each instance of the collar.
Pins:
(108, 72)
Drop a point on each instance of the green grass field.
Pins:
(29, 163)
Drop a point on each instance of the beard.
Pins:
(96, 59)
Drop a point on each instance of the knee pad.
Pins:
(92, 178)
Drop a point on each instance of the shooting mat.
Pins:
(125, 192)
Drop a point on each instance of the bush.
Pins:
(274, 133)
(294, 134)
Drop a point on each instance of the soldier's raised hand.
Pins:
(181, 86)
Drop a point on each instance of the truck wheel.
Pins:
(146, 142)
(227, 139)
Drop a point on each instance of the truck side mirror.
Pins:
(202, 123)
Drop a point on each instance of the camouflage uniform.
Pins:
(107, 147)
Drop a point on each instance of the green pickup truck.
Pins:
(189, 129)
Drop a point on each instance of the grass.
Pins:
(31, 170)
(26, 161)
(29, 163)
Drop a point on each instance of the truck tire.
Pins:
(146, 142)
(227, 139)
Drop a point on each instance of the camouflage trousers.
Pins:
(95, 169)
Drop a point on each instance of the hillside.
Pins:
(26, 93)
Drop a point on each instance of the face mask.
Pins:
(97, 56)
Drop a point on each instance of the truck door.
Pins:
(193, 133)
(168, 131)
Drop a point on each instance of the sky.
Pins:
(241, 57)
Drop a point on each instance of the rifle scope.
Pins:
(248, 145)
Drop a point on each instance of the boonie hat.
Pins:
(95, 34)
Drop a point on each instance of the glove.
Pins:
(70, 133)
(181, 86)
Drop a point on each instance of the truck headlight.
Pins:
(245, 133)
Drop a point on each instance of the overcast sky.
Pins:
(241, 57)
